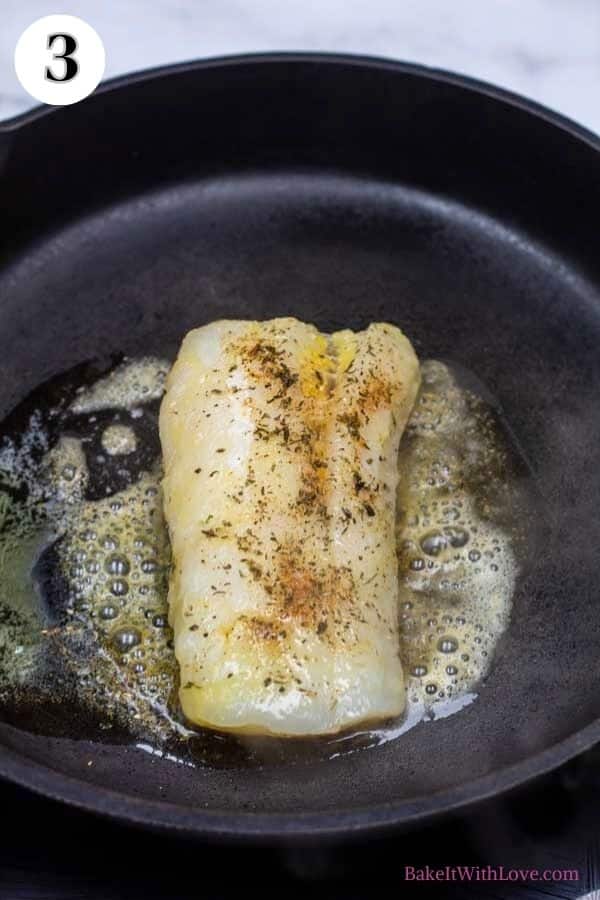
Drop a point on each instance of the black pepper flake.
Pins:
(255, 569)
(352, 423)
(369, 509)
(359, 484)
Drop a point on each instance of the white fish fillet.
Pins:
(280, 455)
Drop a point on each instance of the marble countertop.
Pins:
(548, 50)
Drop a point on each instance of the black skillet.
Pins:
(341, 190)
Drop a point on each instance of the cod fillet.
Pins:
(280, 448)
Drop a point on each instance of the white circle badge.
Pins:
(59, 59)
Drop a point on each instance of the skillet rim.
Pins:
(244, 826)
(445, 76)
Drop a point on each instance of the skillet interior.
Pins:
(341, 192)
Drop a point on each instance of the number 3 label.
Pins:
(59, 60)
(71, 66)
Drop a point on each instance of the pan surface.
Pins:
(341, 190)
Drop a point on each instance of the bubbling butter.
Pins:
(118, 440)
(97, 623)
(129, 384)
(457, 560)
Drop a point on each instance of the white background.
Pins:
(546, 49)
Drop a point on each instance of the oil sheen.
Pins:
(84, 563)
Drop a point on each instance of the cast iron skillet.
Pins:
(341, 190)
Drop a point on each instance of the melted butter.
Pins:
(119, 440)
(115, 558)
(83, 577)
(83, 597)
(127, 386)
(457, 560)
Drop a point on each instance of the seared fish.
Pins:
(280, 449)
